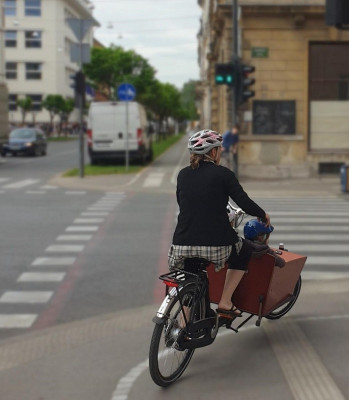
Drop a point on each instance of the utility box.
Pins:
(345, 178)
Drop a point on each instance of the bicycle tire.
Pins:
(281, 311)
(157, 367)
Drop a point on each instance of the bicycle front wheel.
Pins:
(281, 311)
(167, 361)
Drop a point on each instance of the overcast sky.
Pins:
(162, 31)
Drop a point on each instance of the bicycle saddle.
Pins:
(195, 264)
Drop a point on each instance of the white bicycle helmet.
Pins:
(204, 141)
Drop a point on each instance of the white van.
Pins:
(106, 131)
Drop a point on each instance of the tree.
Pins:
(66, 109)
(25, 105)
(188, 100)
(53, 103)
(109, 67)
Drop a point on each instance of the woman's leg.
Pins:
(232, 279)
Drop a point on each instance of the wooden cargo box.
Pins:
(263, 283)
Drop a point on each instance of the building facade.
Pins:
(297, 123)
(37, 41)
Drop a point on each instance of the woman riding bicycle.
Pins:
(203, 229)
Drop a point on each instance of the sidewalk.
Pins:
(319, 186)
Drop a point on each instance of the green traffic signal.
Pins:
(224, 74)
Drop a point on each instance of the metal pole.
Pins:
(127, 153)
(235, 33)
(81, 113)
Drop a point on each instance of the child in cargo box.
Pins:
(258, 232)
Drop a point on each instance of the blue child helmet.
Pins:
(254, 228)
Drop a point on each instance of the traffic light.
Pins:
(78, 83)
(244, 92)
(224, 74)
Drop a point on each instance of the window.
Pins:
(32, 8)
(33, 70)
(10, 38)
(36, 101)
(11, 70)
(328, 71)
(10, 7)
(33, 39)
(12, 102)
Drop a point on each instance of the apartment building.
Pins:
(37, 41)
(297, 122)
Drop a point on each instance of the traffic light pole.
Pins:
(235, 33)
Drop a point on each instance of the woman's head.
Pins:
(205, 145)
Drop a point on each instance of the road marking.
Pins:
(100, 208)
(35, 192)
(321, 275)
(48, 187)
(82, 229)
(88, 220)
(303, 369)
(65, 248)
(74, 237)
(21, 184)
(326, 218)
(4, 180)
(26, 297)
(17, 321)
(95, 214)
(275, 237)
(308, 213)
(327, 260)
(315, 228)
(154, 179)
(41, 277)
(45, 261)
(75, 192)
(311, 247)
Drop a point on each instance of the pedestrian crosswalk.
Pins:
(31, 186)
(56, 266)
(315, 227)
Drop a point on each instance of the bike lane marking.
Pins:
(313, 366)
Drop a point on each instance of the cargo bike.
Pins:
(265, 291)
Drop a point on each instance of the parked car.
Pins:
(30, 141)
(106, 132)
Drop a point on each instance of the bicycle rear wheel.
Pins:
(167, 361)
(281, 311)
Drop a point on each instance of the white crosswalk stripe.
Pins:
(154, 179)
(21, 184)
(316, 228)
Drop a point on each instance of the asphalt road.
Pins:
(83, 264)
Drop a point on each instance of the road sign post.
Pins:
(126, 92)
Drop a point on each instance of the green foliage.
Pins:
(188, 97)
(109, 67)
(25, 105)
(56, 104)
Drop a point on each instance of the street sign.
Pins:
(126, 92)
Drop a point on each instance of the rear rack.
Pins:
(176, 277)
